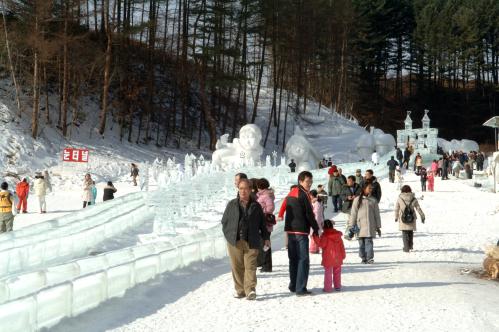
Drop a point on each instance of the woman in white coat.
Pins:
(40, 192)
(87, 190)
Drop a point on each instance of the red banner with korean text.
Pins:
(75, 155)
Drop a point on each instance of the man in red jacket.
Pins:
(299, 219)
(22, 191)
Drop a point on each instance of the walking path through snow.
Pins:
(425, 290)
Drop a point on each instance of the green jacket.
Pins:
(335, 185)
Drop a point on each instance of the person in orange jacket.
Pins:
(333, 254)
(22, 191)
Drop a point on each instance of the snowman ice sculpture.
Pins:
(300, 150)
(242, 150)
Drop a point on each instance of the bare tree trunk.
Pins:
(47, 105)
(262, 66)
(285, 123)
(65, 79)
(36, 97)
(342, 75)
(107, 69)
(59, 90)
(280, 102)
(95, 16)
(36, 91)
(11, 66)
(210, 121)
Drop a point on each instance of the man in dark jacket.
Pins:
(243, 224)
(292, 166)
(445, 168)
(400, 156)
(350, 191)
(299, 219)
(109, 191)
(134, 173)
(407, 157)
(392, 165)
(376, 191)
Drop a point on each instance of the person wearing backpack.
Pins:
(405, 215)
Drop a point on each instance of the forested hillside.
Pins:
(193, 68)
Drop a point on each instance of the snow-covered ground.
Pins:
(429, 289)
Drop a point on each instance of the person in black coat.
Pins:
(376, 187)
(243, 225)
(407, 157)
(292, 166)
(392, 165)
(350, 191)
(445, 168)
(400, 156)
(109, 191)
(134, 172)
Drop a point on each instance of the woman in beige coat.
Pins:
(365, 215)
(407, 198)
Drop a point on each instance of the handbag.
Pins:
(270, 219)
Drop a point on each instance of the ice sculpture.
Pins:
(468, 145)
(494, 165)
(384, 143)
(267, 161)
(423, 139)
(246, 149)
(302, 152)
(464, 145)
(365, 146)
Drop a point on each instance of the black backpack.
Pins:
(408, 216)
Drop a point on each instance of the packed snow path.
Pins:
(425, 290)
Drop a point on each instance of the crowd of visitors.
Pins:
(249, 219)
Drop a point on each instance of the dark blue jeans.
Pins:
(337, 203)
(366, 250)
(299, 262)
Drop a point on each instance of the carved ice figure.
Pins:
(268, 162)
(365, 146)
(187, 165)
(222, 142)
(245, 149)
(283, 161)
(384, 143)
(468, 145)
(464, 145)
(302, 152)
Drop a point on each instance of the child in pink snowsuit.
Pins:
(333, 254)
(319, 216)
(431, 180)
